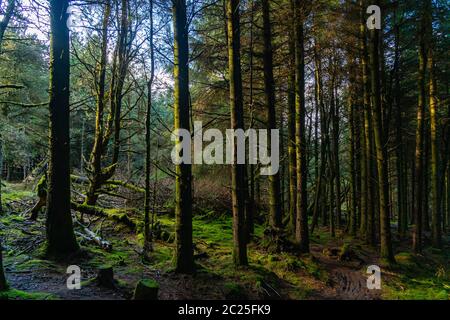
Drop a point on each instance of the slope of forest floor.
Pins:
(335, 269)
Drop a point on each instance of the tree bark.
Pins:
(269, 94)
(301, 233)
(367, 220)
(291, 127)
(436, 222)
(352, 152)
(147, 231)
(381, 149)
(418, 171)
(399, 148)
(184, 256)
(237, 122)
(61, 239)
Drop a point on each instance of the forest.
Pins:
(224, 150)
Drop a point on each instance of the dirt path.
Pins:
(347, 279)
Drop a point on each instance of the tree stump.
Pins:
(146, 290)
(105, 277)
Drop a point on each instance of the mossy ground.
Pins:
(424, 277)
(269, 275)
(13, 294)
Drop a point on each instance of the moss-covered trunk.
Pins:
(184, 256)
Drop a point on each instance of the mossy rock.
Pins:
(146, 289)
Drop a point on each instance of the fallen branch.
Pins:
(91, 236)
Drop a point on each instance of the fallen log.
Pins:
(115, 215)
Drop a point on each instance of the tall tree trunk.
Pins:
(269, 94)
(147, 232)
(237, 122)
(60, 235)
(367, 221)
(291, 127)
(418, 171)
(301, 232)
(399, 148)
(320, 189)
(381, 149)
(334, 111)
(352, 149)
(426, 177)
(250, 213)
(184, 256)
(436, 226)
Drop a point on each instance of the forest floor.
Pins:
(335, 268)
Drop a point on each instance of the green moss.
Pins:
(217, 231)
(15, 192)
(14, 294)
(150, 283)
(122, 215)
(419, 278)
(37, 264)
